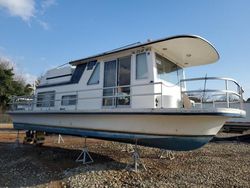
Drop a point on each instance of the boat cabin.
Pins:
(147, 75)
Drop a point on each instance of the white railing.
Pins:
(29, 103)
(213, 97)
(200, 98)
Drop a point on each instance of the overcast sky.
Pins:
(39, 35)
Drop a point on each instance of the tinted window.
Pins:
(68, 100)
(167, 70)
(46, 99)
(141, 66)
(110, 73)
(94, 78)
(90, 65)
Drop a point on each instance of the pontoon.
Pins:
(137, 93)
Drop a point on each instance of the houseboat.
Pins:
(137, 93)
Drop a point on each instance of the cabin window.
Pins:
(116, 83)
(167, 70)
(95, 77)
(110, 80)
(90, 65)
(141, 66)
(123, 76)
(46, 99)
(68, 100)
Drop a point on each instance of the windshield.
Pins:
(167, 70)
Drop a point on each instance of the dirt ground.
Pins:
(6, 126)
(218, 164)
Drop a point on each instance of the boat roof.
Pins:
(184, 50)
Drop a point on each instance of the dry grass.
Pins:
(6, 126)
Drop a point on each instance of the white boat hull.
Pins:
(163, 129)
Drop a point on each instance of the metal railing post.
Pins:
(182, 103)
(227, 95)
(161, 96)
(201, 102)
(241, 97)
(33, 102)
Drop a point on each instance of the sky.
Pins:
(36, 35)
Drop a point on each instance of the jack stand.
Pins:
(128, 148)
(85, 157)
(39, 138)
(60, 139)
(17, 142)
(170, 154)
(137, 162)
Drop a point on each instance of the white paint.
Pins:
(144, 124)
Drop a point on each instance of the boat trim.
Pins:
(173, 113)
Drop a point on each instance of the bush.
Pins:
(5, 118)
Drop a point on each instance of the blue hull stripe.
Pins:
(170, 142)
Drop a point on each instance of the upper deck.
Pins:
(184, 50)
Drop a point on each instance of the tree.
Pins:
(38, 81)
(248, 100)
(6, 78)
(9, 86)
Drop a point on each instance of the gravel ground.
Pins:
(218, 164)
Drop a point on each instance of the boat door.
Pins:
(116, 85)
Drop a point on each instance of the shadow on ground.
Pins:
(27, 165)
(241, 138)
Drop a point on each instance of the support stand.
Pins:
(17, 142)
(85, 157)
(137, 162)
(169, 154)
(38, 138)
(60, 139)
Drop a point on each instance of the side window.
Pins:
(95, 77)
(68, 100)
(167, 70)
(90, 65)
(46, 99)
(141, 66)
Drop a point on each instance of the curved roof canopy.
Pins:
(184, 50)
